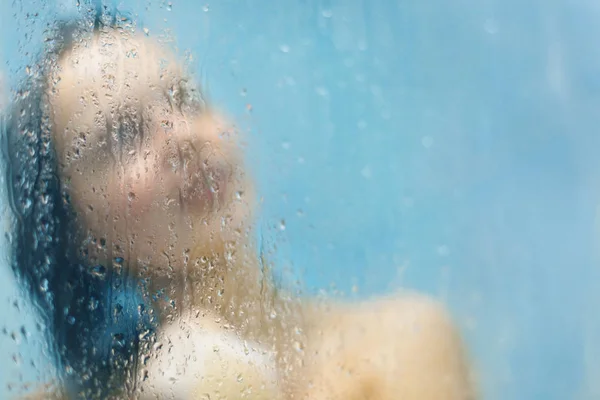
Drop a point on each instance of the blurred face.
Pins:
(154, 177)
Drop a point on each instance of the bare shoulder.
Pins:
(399, 346)
(404, 310)
(411, 311)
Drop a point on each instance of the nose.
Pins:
(203, 174)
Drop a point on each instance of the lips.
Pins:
(206, 190)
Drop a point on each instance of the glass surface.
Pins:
(445, 148)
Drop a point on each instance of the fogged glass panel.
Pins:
(334, 199)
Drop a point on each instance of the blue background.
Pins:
(447, 147)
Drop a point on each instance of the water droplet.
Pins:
(71, 320)
(240, 378)
(427, 141)
(206, 8)
(490, 26)
(284, 48)
(443, 250)
(27, 203)
(322, 91)
(298, 346)
(366, 172)
(327, 13)
(169, 6)
(119, 339)
(147, 31)
(93, 304)
(99, 271)
(282, 225)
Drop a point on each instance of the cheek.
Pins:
(116, 200)
(141, 189)
(144, 189)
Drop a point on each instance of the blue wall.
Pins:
(449, 147)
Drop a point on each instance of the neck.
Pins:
(238, 290)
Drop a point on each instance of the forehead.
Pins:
(107, 76)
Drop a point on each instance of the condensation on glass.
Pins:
(236, 221)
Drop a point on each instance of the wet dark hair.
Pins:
(95, 319)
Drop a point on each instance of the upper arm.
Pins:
(429, 357)
(399, 347)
